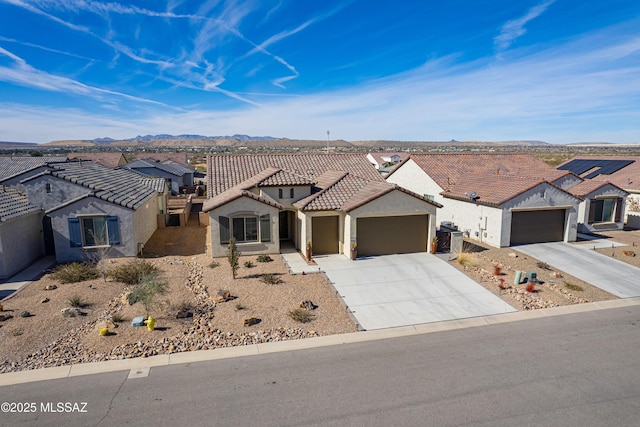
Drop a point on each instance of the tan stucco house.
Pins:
(332, 202)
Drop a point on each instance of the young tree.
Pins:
(233, 256)
(149, 288)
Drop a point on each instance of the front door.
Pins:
(47, 232)
(283, 218)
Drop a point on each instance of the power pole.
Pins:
(327, 142)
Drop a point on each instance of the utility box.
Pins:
(456, 241)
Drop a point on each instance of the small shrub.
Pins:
(465, 258)
(214, 264)
(573, 287)
(25, 314)
(531, 287)
(133, 272)
(543, 265)
(233, 255)
(17, 333)
(264, 258)
(301, 315)
(240, 307)
(149, 288)
(75, 272)
(76, 301)
(117, 318)
(270, 279)
(249, 264)
(185, 306)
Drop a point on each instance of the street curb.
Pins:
(58, 372)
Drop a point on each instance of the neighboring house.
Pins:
(161, 157)
(623, 173)
(330, 201)
(498, 199)
(20, 232)
(386, 162)
(110, 160)
(15, 169)
(179, 174)
(92, 210)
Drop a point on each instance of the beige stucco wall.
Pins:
(299, 192)
(607, 191)
(394, 203)
(244, 206)
(145, 221)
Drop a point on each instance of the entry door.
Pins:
(283, 218)
(47, 231)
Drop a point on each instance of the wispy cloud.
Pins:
(514, 29)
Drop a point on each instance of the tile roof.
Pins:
(589, 186)
(491, 190)
(627, 178)
(12, 166)
(159, 157)
(169, 166)
(225, 171)
(110, 160)
(448, 169)
(284, 178)
(14, 204)
(349, 192)
(233, 194)
(117, 186)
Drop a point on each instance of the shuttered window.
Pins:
(265, 228)
(75, 235)
(224, 230)
(94, 231)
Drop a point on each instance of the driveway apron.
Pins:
(609, 274)
(407, 289)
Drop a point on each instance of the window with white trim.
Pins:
(245, 228)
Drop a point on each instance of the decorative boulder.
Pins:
(222, 296)
(137, 321)
(251, 321)
(50, 287)
(308, 305)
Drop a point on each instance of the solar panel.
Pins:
(605, 167)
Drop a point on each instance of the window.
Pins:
(291, 194)
(245, 229)
(279, 193)
(429, 197)
(94, 231)
(605, 210)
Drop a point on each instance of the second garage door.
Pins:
(392, 235)
(537, 226)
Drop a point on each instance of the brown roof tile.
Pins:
(110, 160)
(589, 186)
(226, 171)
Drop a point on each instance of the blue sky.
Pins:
(559, 71)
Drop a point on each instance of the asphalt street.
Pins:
(578, 369)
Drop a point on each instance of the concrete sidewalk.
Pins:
(11, 285)
(139, 367)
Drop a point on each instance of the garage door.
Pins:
(324, 235)
(537, 226)
(392, 235)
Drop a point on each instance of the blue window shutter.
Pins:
(265, 228)
(113, 230)
(224, 229)
(75, 234)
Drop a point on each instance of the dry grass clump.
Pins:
(465, 259)
(133, 272)
(75, 272)
(573, 287)
(301, 315)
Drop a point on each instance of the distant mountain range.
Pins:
(164, 136)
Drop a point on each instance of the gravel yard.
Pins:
(46, 338)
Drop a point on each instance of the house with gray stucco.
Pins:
(90, 208)
(179, 174)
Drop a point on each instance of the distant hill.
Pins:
(9, 145)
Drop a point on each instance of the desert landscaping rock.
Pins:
(308, 304)
(50, 287)
(71, 312)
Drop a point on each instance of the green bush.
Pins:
(301, 315)
(264, 258)
(75, 272)
(148, 289)
(76, 301)
(249, 264)
(214, 264)
(270, 279)
(133, 272)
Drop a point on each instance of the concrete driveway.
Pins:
(408, 289)
(609, 274)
